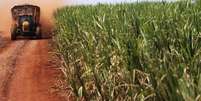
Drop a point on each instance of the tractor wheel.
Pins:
(13, 34)
(38, 32)
(13, 37)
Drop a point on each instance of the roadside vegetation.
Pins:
(136, 52)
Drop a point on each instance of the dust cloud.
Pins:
(47, 9)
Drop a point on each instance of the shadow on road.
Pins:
(44, 37)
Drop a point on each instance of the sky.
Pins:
(74, 2)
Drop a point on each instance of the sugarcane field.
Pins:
(100, 50)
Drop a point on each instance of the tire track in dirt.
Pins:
(8, 57)
(34, 75)
(4, 43)
(27, 72)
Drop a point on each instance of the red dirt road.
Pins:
(26, 71)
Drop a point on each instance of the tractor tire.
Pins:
(38, 32)
(13, 37)
(13, 33)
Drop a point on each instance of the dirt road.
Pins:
(26, 71)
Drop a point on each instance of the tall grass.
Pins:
(145, 51)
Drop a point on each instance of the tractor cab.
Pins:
(26, 21)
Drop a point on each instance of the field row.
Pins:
(145, 51)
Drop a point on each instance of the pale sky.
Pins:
(74, 2)
(106, 1)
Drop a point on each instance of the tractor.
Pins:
(26, 21)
